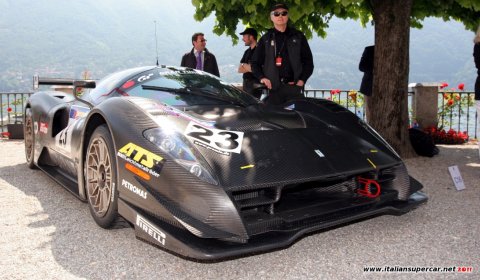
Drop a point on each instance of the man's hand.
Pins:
(300, 83)
(266, 82)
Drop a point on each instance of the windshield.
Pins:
(184, 88)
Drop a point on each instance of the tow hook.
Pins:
(368, 187)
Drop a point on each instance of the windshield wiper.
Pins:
(192, 91)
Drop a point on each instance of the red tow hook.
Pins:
(369, 187)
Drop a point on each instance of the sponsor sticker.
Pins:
(77, 112)
(113, 192)
(247, 166)
(220, 141)
(150, 229)
(43, 128)
(142, 158)
(144, 78)
(35, 127)
(136, 190)
(319, 153)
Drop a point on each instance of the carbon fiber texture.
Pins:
(298, 206)
(203, 206)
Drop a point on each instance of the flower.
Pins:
(461, 86)
(450, 102)
(6, 134)
(443, 85)
(334, 91)
(353, 95)
(9, 109)
(440, 136)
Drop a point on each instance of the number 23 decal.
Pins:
(225, 140)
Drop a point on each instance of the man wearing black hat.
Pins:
(282, 60)
(250, 40)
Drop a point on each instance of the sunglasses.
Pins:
(277, 14)
(204, 40)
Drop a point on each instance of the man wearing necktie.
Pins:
(199, 57)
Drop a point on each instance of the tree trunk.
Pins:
(387, 109)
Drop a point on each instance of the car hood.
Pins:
(281, 145)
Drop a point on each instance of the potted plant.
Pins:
(15, 127)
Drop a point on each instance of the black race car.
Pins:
(204, 170)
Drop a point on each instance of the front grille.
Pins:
(296, 206)
(256, 198)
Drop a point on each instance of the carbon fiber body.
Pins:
(227, 175)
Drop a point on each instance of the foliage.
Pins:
(453, 103)
(314, 16)
(387, 111)
(353, 99)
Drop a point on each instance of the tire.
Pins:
(29, 136)
(101, 178)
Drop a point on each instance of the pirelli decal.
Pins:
(142, 158)
(150, 229)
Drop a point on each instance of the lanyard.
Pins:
(275, 45)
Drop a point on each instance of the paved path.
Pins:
(46, 233)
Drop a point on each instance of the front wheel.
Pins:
(100, 178)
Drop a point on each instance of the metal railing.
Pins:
(456, 110)
(12, 105)
(352, 100)
(460, 115)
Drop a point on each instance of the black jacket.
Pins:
(299, 57)
(209, 63)
(366, 66)
(476, 57)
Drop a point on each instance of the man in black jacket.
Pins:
(249, 37)
(282, 60)
(199, 57)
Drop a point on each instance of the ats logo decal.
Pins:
(221, 141)
(150, 229)
(142, 158)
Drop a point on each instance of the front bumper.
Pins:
(185, 244)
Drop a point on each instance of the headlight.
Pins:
(179, 149)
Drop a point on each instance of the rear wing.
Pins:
(37, 81)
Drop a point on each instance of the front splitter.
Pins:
(183, 243)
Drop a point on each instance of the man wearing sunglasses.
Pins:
(282, 60)
(199, 57)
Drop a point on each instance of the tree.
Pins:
(388, 107)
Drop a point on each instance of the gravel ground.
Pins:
(48, 234)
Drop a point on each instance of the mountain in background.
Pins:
(58, 38)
